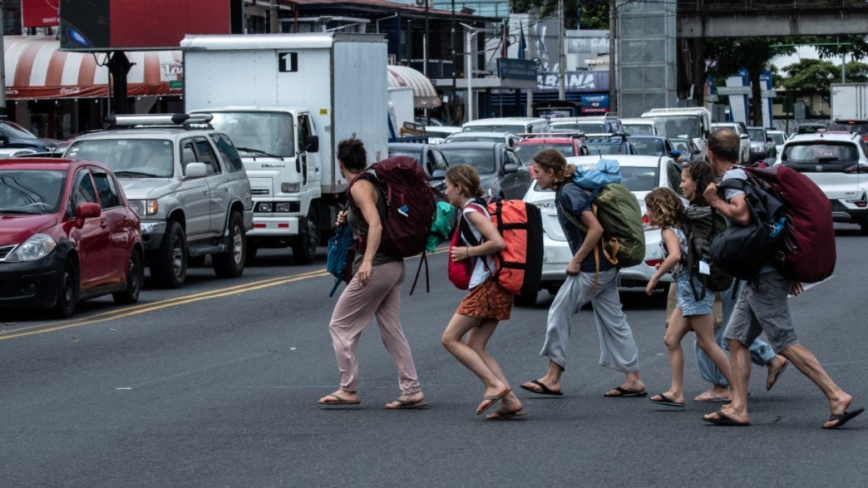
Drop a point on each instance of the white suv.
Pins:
(837, 163)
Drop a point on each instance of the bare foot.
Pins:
(340, 397)
(776, 367)
(413, 400)
(715, 394)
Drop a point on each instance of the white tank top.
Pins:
(483, 266)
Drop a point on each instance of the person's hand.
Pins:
(797, 288)
(364, 273)
(573, 268)
(658, 265)
(649, 288)
(342, 217)
(710, 194)
(459, 253)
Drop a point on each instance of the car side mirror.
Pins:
(311, 144)
(438, 174)
(744, 136)
(194, 170)
(510, 168)
(86, 211)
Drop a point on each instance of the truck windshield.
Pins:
(128, 158)
(682, 126)
(266, 132)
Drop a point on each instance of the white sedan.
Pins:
(640, 174)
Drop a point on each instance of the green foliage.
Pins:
(809, 76)
(595, 13)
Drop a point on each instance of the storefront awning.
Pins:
(423, 91)
(37, 69)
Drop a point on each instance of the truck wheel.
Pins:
(169, 264)
(230, 264)
(525, 300)
(304, 245)
(135, 277)
(67, 292)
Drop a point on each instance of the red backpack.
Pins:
(410, 205)
(808, 253)
(519, 264)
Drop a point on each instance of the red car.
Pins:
(567, 145)
(67, 234)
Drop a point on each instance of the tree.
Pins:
(809, 77)
(726, 56)
(594, 13)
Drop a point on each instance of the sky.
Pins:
(802, 52)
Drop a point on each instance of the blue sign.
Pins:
(516, 69)
(575, 81)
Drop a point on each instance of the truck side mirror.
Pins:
(311, 144)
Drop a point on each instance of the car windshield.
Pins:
(14, 130)
(809, 129)
(608, 147)
(680, 145)
(777, 137)
(526, 152)
(649, 147)
(30, 191)
(854, 128)
(481, 159)
(757, 135)
(270, 133)
(513, 128)
(639, 130)
(586, 127)
(128, 158)
(822, 152)
(682, 126)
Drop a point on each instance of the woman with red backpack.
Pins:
(487, 303)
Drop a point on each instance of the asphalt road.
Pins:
(215, 385)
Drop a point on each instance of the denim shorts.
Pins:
(763, 307)
(686, 301)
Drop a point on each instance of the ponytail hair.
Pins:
(467, 178)
(555, 161)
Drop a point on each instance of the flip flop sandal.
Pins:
(625, 393)
(405, 404)
(544, 390)
(843, 418)
(339, 401)
(501, 415)
(666, 401)
(491, 400)
(774, 376)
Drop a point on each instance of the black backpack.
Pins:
(701, 225)
(742, 251)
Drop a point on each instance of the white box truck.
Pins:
(850, 108)
(287, 100)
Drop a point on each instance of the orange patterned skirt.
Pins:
(488, 300)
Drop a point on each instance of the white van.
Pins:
(649, 126)
(515, 125)
(692, 122)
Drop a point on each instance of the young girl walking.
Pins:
(664, 209)
(487, 303)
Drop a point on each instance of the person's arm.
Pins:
(673, 247)
(735, 209)
(365, 195)
(493, 240)
(592, 238)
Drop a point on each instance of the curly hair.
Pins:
(352, 153)
(664, 207)
(465, 177)
(555, 161)
(703, 175)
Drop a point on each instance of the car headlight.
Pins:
(145, 207)
(756, 149)
(37, 247)
(281, 207)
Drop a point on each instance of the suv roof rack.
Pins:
(182, 121)
(572, 135)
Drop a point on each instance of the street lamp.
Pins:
(468, 68)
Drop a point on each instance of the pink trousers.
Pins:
(357, 305)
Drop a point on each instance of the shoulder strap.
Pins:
(733, 184)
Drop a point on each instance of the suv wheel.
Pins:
(169, 265)
(135, 277)
(67, 291)
(230, 264)
(304, 246)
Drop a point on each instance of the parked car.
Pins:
(651, 145)
(187, 183)
(609, 144)
(595, 124)
(640, 174)
(644, 126)
(744, 138)
(500, 170)
(67, 233)
(13, 135)
(852, 126)
(778, 137)
(761, 145)
(809, 127)
(508, 137)
(438, 133)
(429, 156)
(838, 164)
(686, 147)
(568, 145)
(514, 125)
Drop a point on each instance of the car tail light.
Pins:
(654, 262)
(861, 203)
(857, 168)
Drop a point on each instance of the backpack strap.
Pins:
(418, 270)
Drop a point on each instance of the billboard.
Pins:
(39, 13)
(99, 25)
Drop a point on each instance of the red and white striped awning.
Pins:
(424, 94)
(37, 69)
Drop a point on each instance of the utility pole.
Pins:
(562, 58)
(425, 54)
(531, 30)
(2, 65)
(453, 101)
(613, 31)
(274, 28)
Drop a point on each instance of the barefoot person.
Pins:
(762, 306)
(695, 178)
(375, 290)
(692, 312)
(618, 351)
(487, 303)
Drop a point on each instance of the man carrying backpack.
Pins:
(762, 306)
(590, 278)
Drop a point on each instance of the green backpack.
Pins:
(618, 212)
